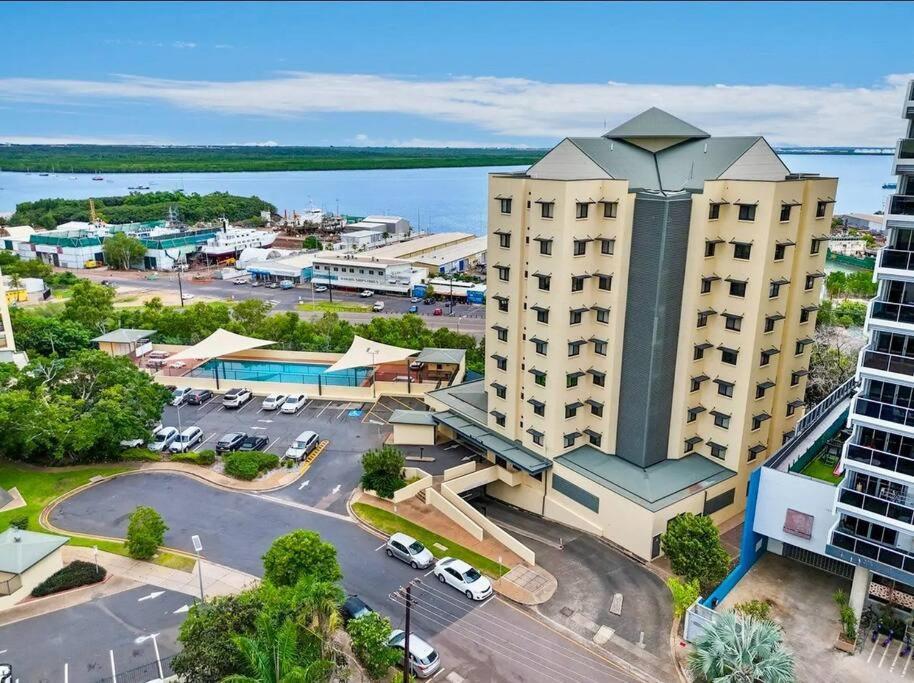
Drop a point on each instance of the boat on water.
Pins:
(890, 186)
(44, 175)
(98, 177)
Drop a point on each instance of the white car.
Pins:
(179, 395)
(293, 403)
(188, 297)
(303, 445)
(365, 293)
(273, 401)
(423, 658)
(236, 398)
(378, 306)
(463, 577)
(162, 439)
(320, 289)
(186, 440)
(240, 281)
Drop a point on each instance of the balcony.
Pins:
(900, 366)
(884, 502)
(895, 264)
(896, 315)
(883, 412)
(883, 460)
(904, 157)
(900, 210)
(882, 559)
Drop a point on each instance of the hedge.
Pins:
(77, 573)
(204, 458)
(141, 454)
(248, 464)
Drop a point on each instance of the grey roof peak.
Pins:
(656, 123)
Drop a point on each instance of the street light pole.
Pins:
(198, 548)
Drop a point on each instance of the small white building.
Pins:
(63, 248)
(359, 240)
(295, 267)
(848, 245)
(26, 559)
(873, 222)
(13, 235)
(392, 225)
(363, 271)
(455, 258)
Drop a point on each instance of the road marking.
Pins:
(873, 651)
(885, 651)
(336, 489)
(269, 446)
(304, 484)
(260, 411)
(302, 506)
(206, 439)
(113, 672)
(182, 609)
(323, 409)
(897, 655)
(152, 596)
(266, 421)
(383, 545)
(66, 670)
(261, 428)
(203, 405)
(3, 652)
(907, 660)
(428, 572)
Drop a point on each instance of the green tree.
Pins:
(300, 554)
(692, 542)
(311, 242)
(249, 315)
(45, 335)
(370, 634)
(382, 470)
(860, 284)
(145, 533)
(90, 305)
(685, 593)
(757, 609)
(836, 284)
(272, 655)
(318, 608)
(121, 250)
(734, 649)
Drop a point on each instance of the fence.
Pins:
(697, 619)
(142, 674)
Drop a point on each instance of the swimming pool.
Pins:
(272, 371)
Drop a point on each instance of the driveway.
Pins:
(490, 641)
(85, 639)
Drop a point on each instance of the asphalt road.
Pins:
(491, 641)
(84, 639)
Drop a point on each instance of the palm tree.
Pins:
(735, 649)
(273, 657)
(318, 609)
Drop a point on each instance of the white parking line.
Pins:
(885, 651)
(203, 405)
(206, 439)
(428, 572)
(271, 444)
(873, 651)
(383, 545)
(323, 409)
(897, 655)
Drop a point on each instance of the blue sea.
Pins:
(435, 199)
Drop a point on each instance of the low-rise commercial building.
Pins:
(26, 559)
(392, 225)
(359, 240)
(873, 222)
(454, 258)
(416, 247)
(295, 267)
(366, 271)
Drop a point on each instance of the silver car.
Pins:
(409, 550)
(423, 658)
(162, 439)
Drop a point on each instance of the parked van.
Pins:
(286, 284)
(186, 440)
(303, 445)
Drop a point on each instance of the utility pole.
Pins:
(178, 269)
(409, 587)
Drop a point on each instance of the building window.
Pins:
(574, 349)
(502, 305)
(741, 251)
(769, 324)
(603, 316)
(500, 390)
(699, 353)
(765, 358)
(710, 248)
(540, 379)
(725, 388)
(575, 317)
(544, 282)
(703, 318)
(596, 409)
(571, 410)
(595, 439)
(610, 209)
(780, 251)
(791, 409)
(546, 247)
(502, 333)
(706, 285)
(605, 282)
(599, 347)
(540, 346)
(757, 422)
(547, 209)
(577, 283)
(737, 288)
(691, 415)
(695, 384)
(815, 246)
(505, 205)
(581, 209)
(580, 247)
(804, 315)
(821, 207)
(718, 451)
(733, 322)
(504, 272)
(608, 247)
(774, 290)
(569, 440)
(599, 380)
(537, 438)
(728, 356)
(795, 378)
(785, 213)
(499, 419)
(539, 408)
(501, 362)
(504, 240)
(571, 380)
(760, 390)
(721, 420)
(713, 212)
(810, 282)
(689, 445)
(542, 315)
(747, 212)
(799, 348)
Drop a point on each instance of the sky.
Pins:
(441, 74)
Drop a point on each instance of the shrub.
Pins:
(248, 464)
(692, 543)
(684, 594)
(20, 522)
(141, 455)
(370, 634)
(298, 554)
(77, 573)
(757, 609)
(203, 458)
(382, 470)
(145, 533)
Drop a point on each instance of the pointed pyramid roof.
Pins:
(656, 123)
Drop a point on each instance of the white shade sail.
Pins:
(364, 353)
(220, 343)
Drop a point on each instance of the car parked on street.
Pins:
(378, 306)
(199, 396)
(320, 289)
(256, 283)
(409, 550)
(230, 442)
(353, 608)
(303, 445)
(415, 300)
(413, 309)
(463, 577)
(423, 658)
(366, 293)
(162, 439)
(437, 311)
(286, 284)
(179, 395)
(272, 285)
(293, 403)
(273, 401)
(428, 301)
(236, 398)
(254, 443)
(240, 281)
(186, 440)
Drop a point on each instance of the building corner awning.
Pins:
(364, 353)
(220, 343)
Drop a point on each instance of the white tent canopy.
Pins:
(366, 353)
(220, 343)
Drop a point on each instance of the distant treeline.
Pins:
(149, 159)
(149, 206)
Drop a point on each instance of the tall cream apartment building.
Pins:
(653, 296)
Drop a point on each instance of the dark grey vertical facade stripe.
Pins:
(660, 237)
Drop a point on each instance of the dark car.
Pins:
(199, 396)
(230, 442)
(428, 301)
(353, 608)
(254, 443)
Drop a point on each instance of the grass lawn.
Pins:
(389, 523)
(40, 486)
(819, 470)
(334, 307)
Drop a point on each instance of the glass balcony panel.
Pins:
(897, 259)
(906, 148)
(888, 362)
(901, 313)
(884, 411)
(902, 205)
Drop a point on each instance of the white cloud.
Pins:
(515, 108)
(75, 140)
(363, 140)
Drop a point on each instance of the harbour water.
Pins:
(436, 199)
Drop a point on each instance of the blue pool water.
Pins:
(271, 371)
